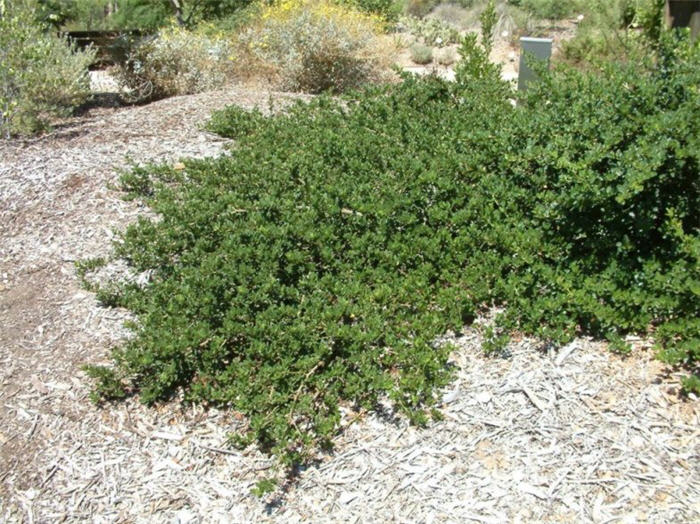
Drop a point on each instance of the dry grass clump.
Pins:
(421, 53)
(446, 56)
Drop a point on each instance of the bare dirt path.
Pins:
(568, 436)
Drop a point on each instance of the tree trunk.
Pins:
(178, 12)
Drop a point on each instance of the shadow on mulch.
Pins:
(101, 100)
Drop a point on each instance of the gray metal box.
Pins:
(539, 49)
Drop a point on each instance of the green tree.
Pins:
(188, 12)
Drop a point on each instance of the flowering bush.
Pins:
(41, 75)
(316, 45)
(177, 62)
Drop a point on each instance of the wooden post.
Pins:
(178, 12)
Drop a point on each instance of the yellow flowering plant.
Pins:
(317, 45)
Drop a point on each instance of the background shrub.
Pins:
(146, 15)
(604, 34)
(455, 15)
(431, 31)
(446, 56)
(551, 9)
(419, 8)
(177, 62)
(313, 46)
(387, 9)
(41, 76)
(149, 15)
(421, 53)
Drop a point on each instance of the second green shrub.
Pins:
(42, 76)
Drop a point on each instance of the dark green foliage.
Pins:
(651, 18)
(235, 122)
(86, 266)
(56, 12)
(488, 19)
(146, 15)
(109, 385)
(614, 160)
(317, 264)
(264, 486)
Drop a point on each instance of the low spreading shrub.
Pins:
(177, 62)
(318, 264)
(316, 45)
(41, 76)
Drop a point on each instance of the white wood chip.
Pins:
(167, 436)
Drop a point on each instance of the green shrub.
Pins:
(41, 76)
(616, 169)
(421, 54)
(146, 15)
(387, 9)
(235, 122)
(591, 46)
(149, 15)
(177, 62)
(55, 12)
(318, 264)
(234, 23)
(603, 34)
(550, 9)
(316, 45)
